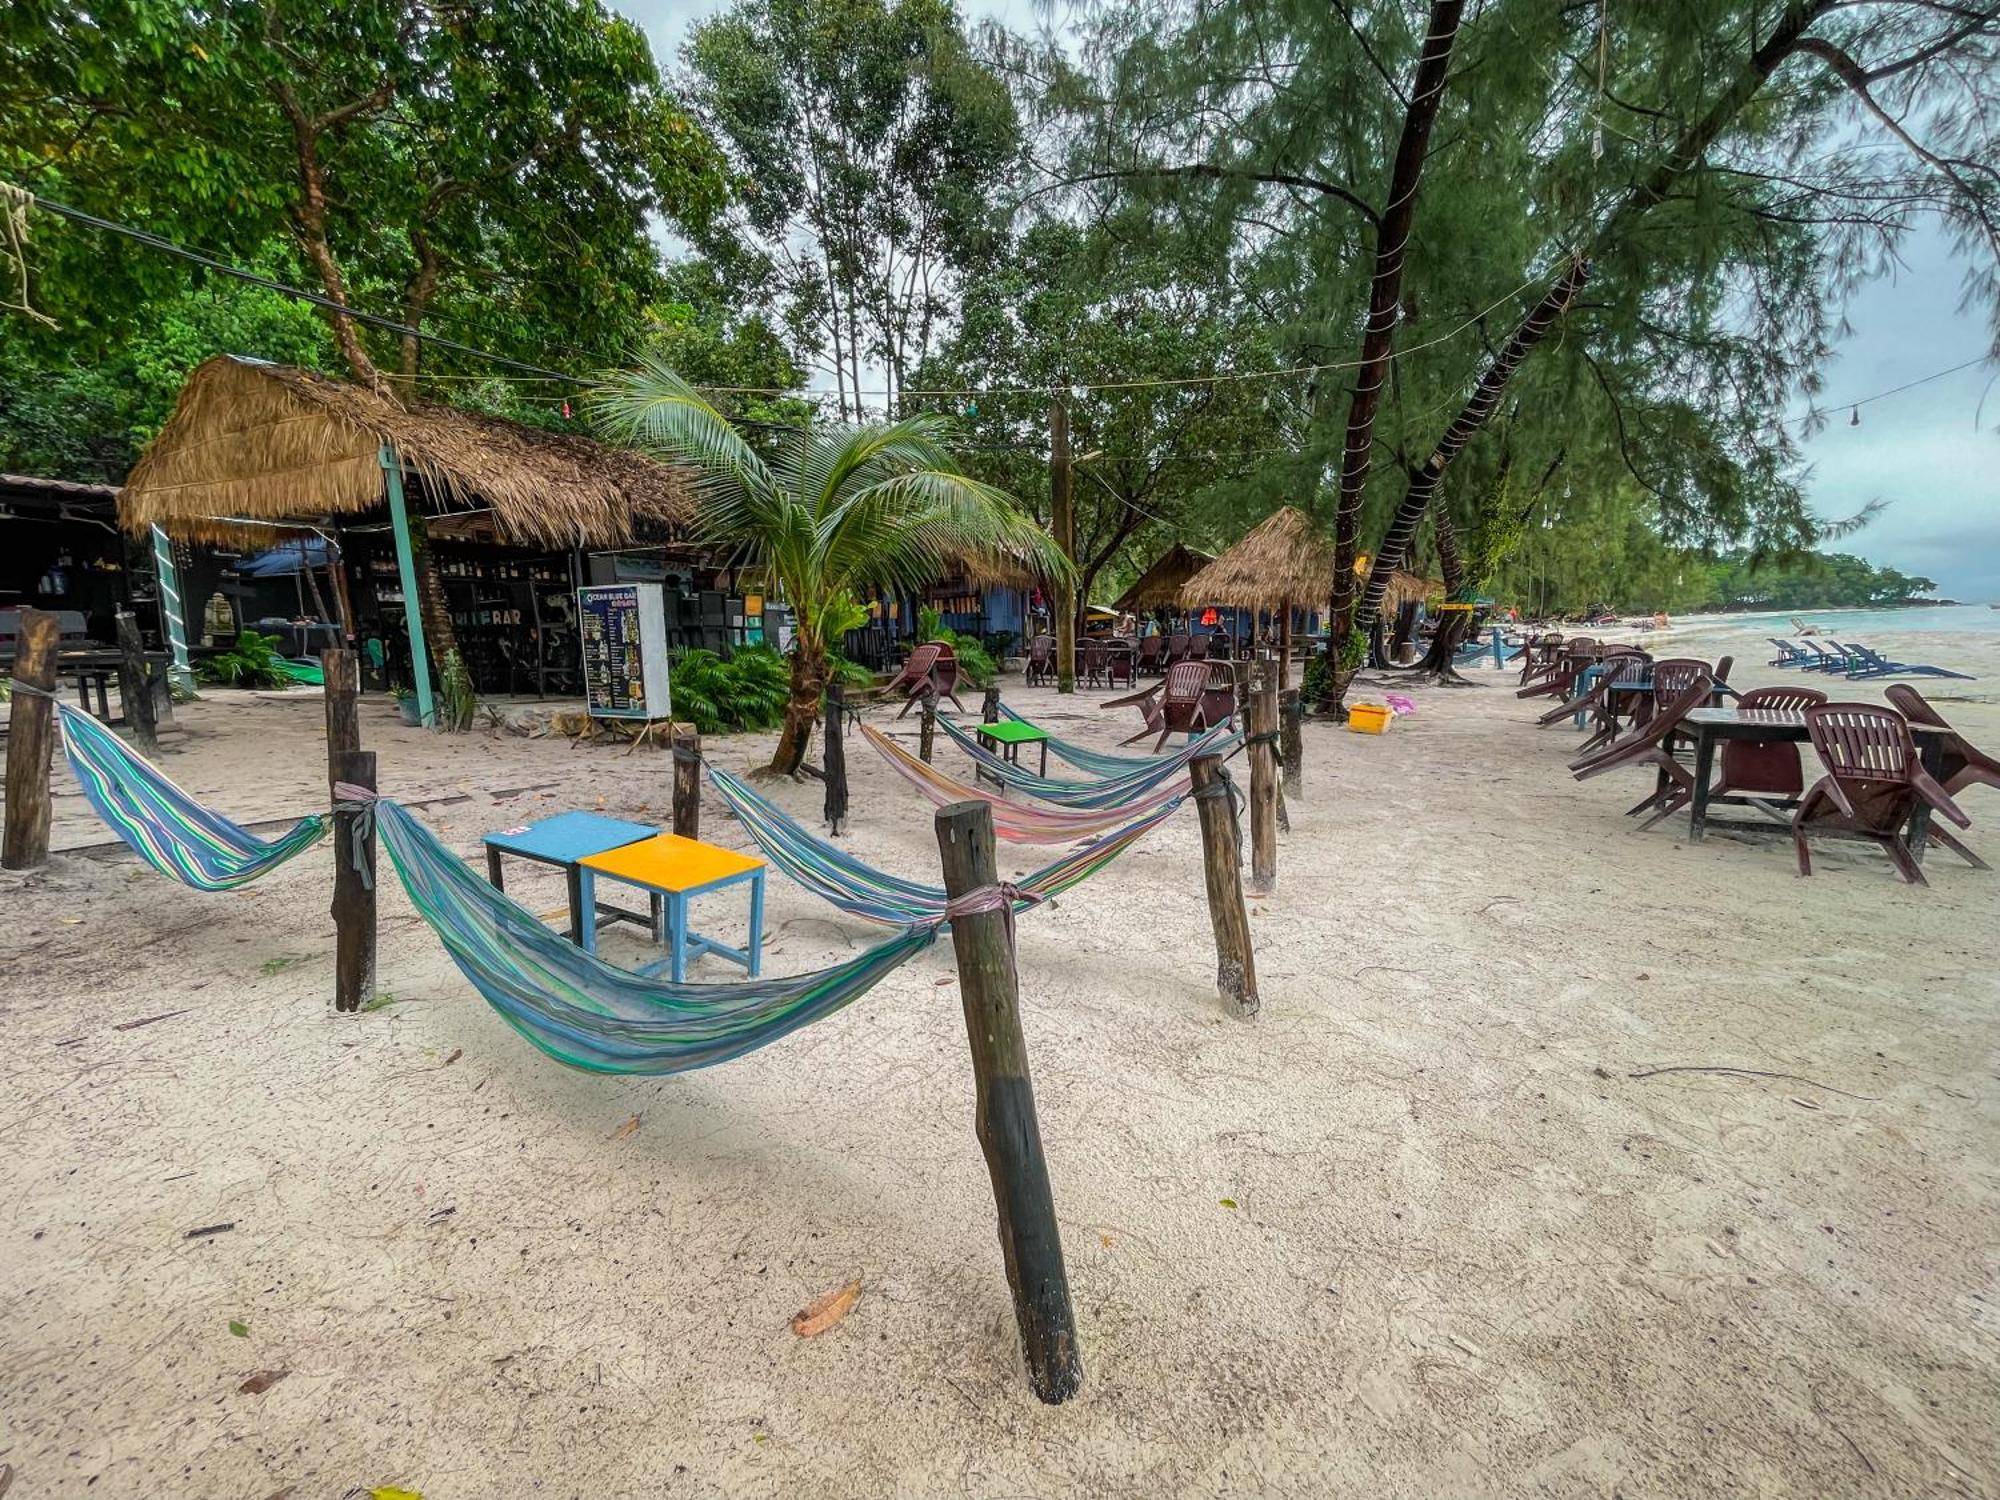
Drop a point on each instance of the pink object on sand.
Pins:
(1399, 704)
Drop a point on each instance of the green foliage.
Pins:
(1827, 580)
(494, 167)
(836, 510)
(747, 692)
(457, 703)
(876, 141)
(252, 662)
(975, 663)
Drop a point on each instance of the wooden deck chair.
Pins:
(1873, 783)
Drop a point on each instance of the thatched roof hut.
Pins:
(1405, 588)
(263, 443)
(1159, 587)
(1283, 561)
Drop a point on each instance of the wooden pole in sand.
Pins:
(836, 758)
(686, 741)
(1222, 869)
(353, 880)
(927, 726)
(1004, 1108)
(1262, 691)
(31, 740)
(1291, 738)
(989, 708)
(135, 683)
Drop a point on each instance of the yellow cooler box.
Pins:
(1368, 718)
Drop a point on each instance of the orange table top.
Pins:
(668, 862)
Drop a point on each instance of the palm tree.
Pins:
(838, 512)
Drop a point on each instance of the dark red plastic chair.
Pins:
(1178, 703)
(1152, 654)
(1197, 647)
(1646, 745)
(1092, 653)
(1766, 768)
(1041, 659)
(916, 674)
(1873, 783)
(1964, 764)
(944, 677)
(1177, 649)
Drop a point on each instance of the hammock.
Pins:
(1113, 791)
(166, 827)
(861, 890)
(587, 1013)
(1097, 762)
(1016, 822)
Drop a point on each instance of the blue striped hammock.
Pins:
(1111, 791)
(1097, 762)
(588, 1014)
(162, 824)
(861, 890)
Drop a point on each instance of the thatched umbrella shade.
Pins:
(254, 448)
(1159, 587)
(1282, 562)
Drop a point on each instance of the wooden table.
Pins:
(1713, 725)
(92, 667)
(675, 870)
(1010, 735)
(561, 841)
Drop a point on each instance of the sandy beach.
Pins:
(1562, 1160)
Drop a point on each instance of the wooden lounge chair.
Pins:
(1646, 745)
(1873, 783)
(1864, 663)
(1766, 768)
(1041, 659)
(1178, 703)
(1964, 764)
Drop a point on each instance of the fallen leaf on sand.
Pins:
(1106, 1239)
(456, 1054)
(1229, 1203)
(390, 1492)
(941, 983)
(624, 1130)
(826, 1310)
(238, 1329)
(262, 1381)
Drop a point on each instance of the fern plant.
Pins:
(253, 662)
(747, 692)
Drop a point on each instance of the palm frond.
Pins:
(652, 407)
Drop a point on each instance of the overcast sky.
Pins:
(1930, 453)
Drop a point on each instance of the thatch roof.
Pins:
(1406, 587)
(1159, 587)
(270, 443)
(1283, 561)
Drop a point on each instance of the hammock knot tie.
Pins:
(15, 685)
(358, 802)
(1224, 785)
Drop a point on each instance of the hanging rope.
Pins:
(14, 205)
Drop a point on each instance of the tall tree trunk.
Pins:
(809, 673)
(1425, 477)
(1438, 661)
(1684, 158)
(1385, 295)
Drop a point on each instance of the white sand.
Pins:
(1470, 1252)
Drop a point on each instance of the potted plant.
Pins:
(406, 705)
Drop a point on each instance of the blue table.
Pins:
(562, 841)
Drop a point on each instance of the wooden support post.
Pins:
(135, 683)
(406, 571)
(1262, 690)
(1004, 1109)
(1291, 740)
(989, 708)
(1062, 526)
(353, 889)
(31, 739)
(353, 884)
(687, 781)
(836, 758)
(1222, 868)
(927, 726)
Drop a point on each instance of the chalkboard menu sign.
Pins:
(624, 627)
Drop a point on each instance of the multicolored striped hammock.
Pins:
(164, 826)
(1017, 822)
(1097, 762)
(591, 1015)
(861, 890)
(1113, 791)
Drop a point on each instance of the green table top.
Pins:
(1013, 732)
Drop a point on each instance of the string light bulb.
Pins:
(1854, 417)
